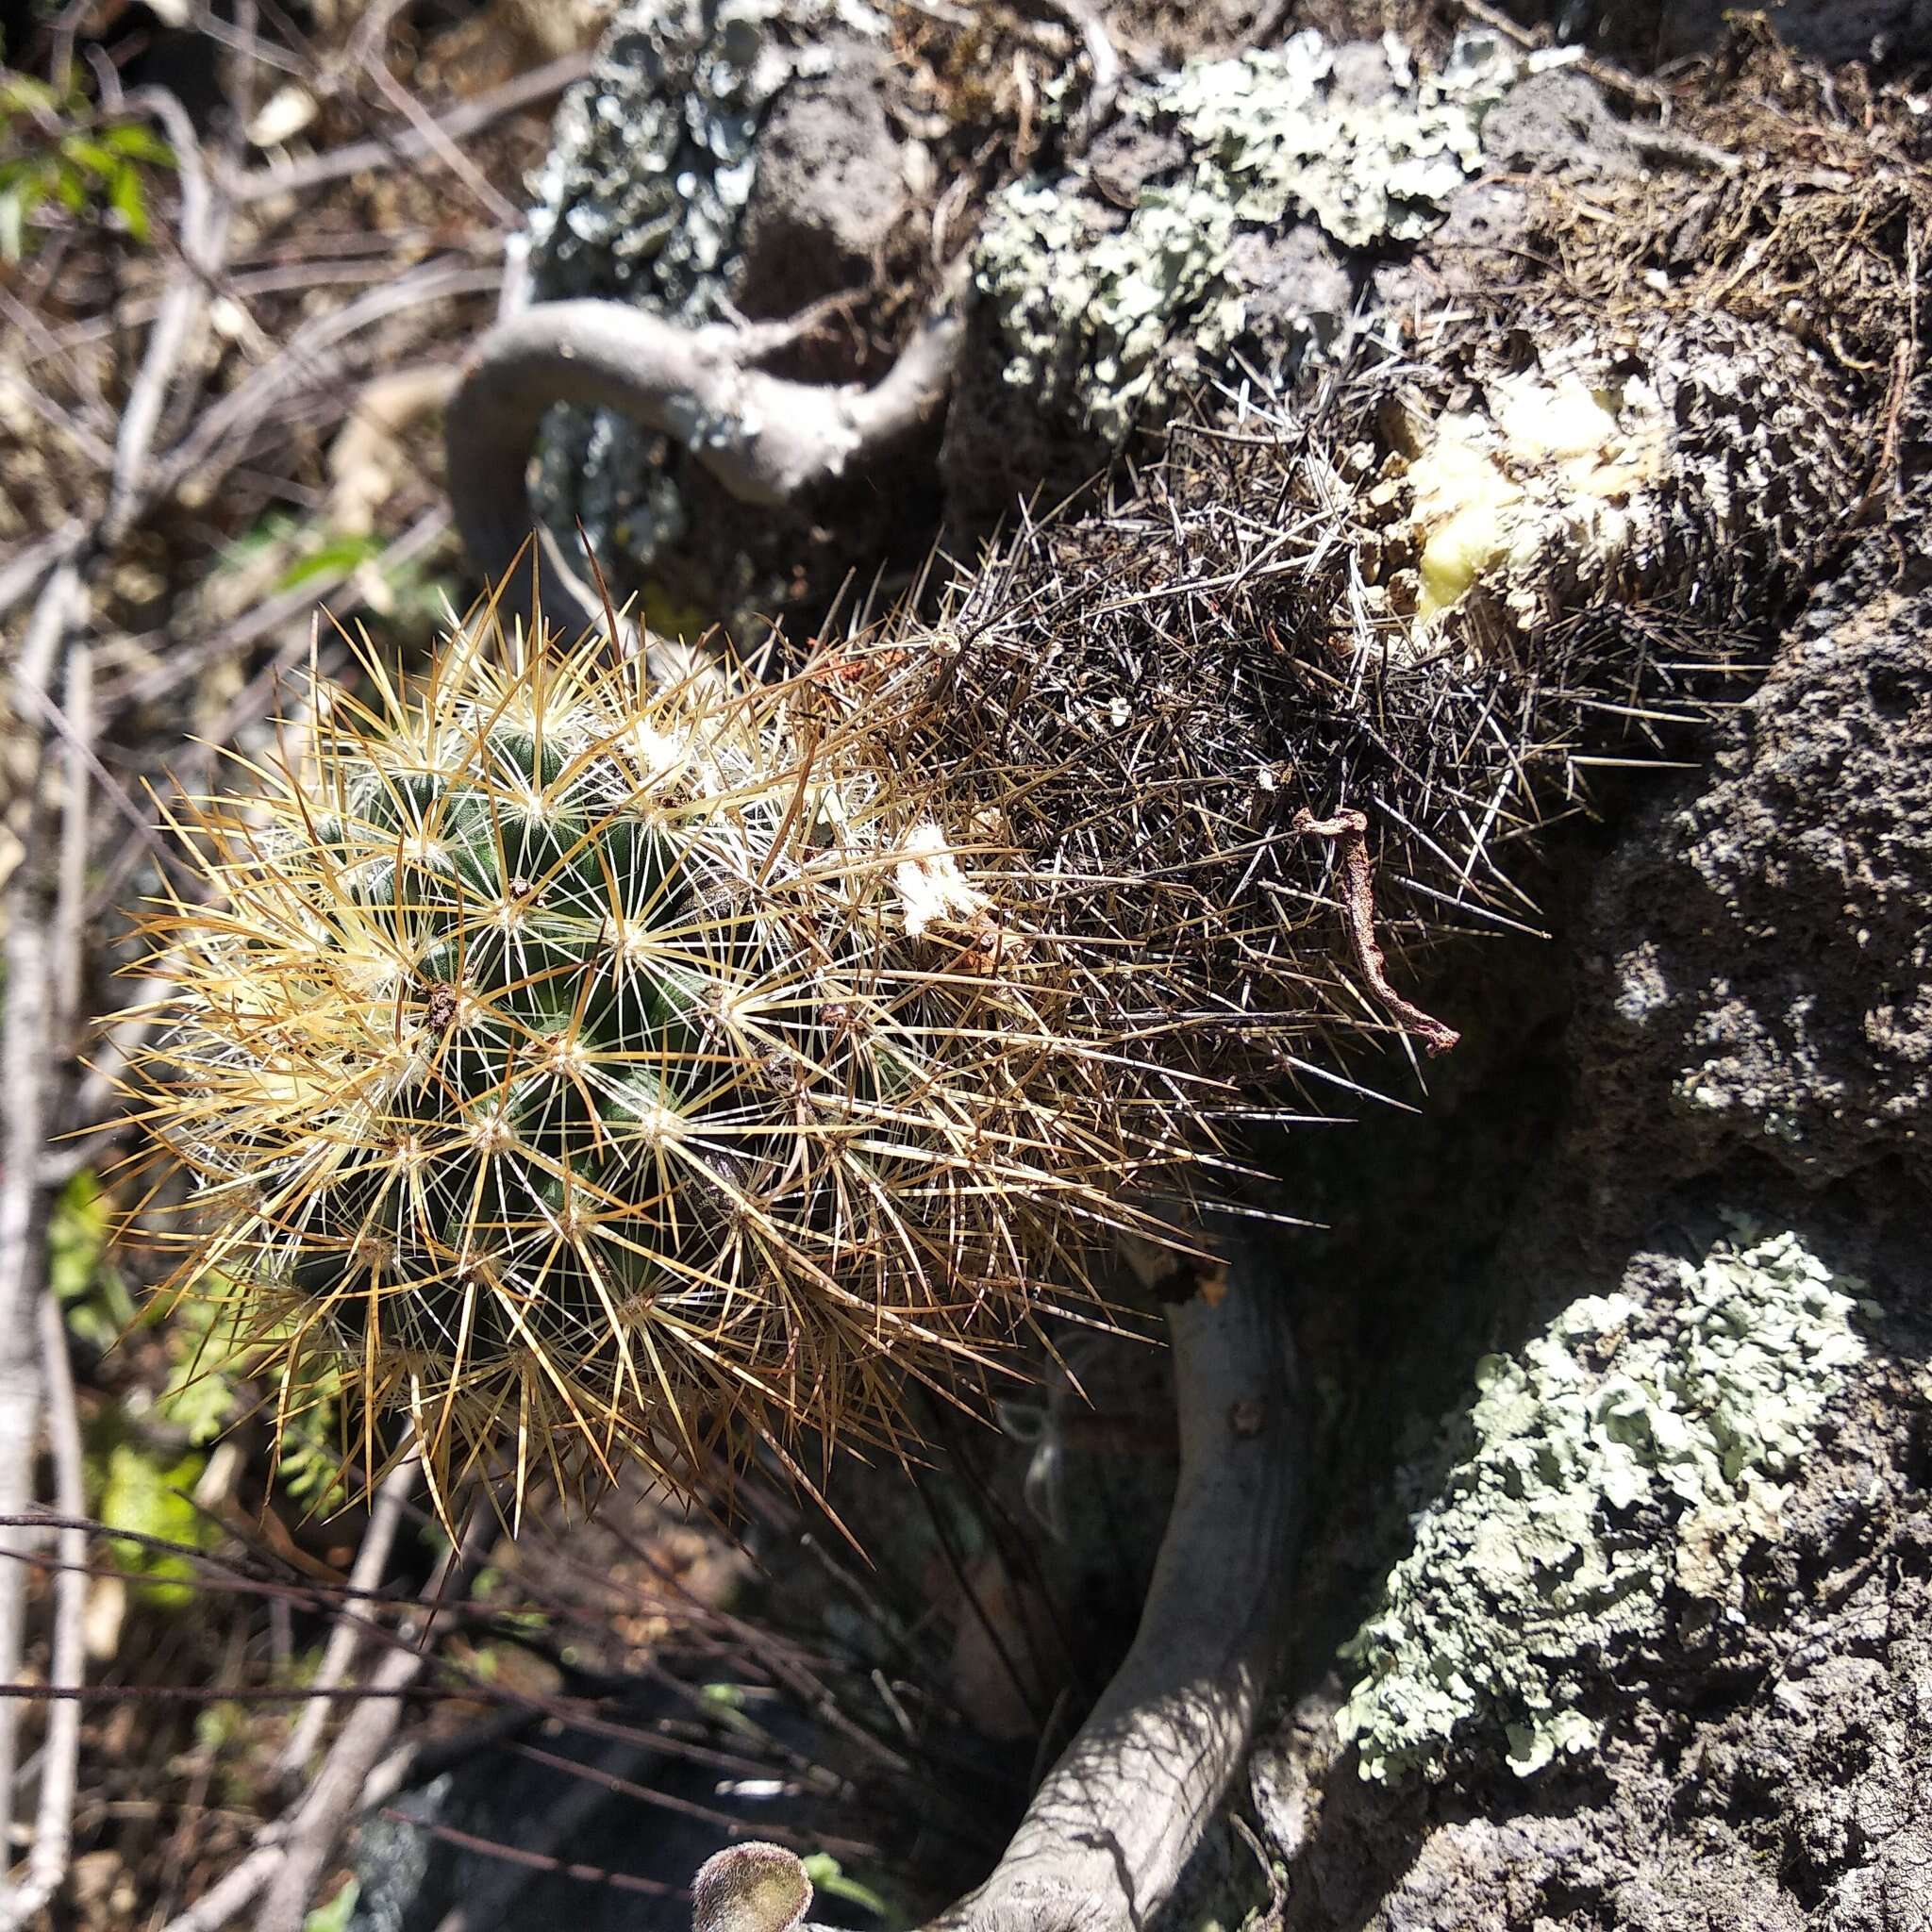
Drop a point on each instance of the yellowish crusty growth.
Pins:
(583, 1070)
(1550, 464)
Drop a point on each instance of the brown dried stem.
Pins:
(1351, 828)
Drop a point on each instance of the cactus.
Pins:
(585, 1072)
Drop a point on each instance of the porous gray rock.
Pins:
(830, 184)
(1747, 1024)
(1767, 1773)
(1768, 936)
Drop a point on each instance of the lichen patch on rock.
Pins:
(1629, 1454)
(1352, 139)
(645, 197)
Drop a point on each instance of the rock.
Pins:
(830, 184)
(1829, 31)
(1748, 1022)
(1766, 936)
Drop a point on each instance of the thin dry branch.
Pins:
(30, 566)
(1351, 829)
(53, 1840)
(444, 148)
(351, 1624)
(244, 1883)
(491, 1897)
(24, 1096)
(202, 238)
(70, 901)
(43, 934)
(341, 163)
(767, 439)
(1105, 1838)
(309, 1836)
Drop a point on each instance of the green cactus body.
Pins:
(587, 1071)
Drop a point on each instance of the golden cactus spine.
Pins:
(582, 1072)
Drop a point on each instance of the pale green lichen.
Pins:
(1086, 318)
(1087, 305)
(1278, 137)
(1632, 1450)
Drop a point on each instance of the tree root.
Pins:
(1103, 1842)
(767, 439)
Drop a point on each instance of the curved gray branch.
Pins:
(1105, 1838)
(767, 439)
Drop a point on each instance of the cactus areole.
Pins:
(583, 1072)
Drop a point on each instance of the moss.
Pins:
(149, 1497)
(1631, 1451)
(1088, 304)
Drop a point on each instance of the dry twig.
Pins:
(312, 1831)
(341, 163)
(1351, 828)
(767, 439)
(53, 1840)
(351, 1624)
(24, 1067)
(43, 929)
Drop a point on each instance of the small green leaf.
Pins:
(828, 1877)
(197, 1401)
(336, 558)
(20, 95)
(134, 142)
(89, 156)
(92, 1296)
(276, 527)
(151, 1499)
(336, 1914)
(128, 199)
